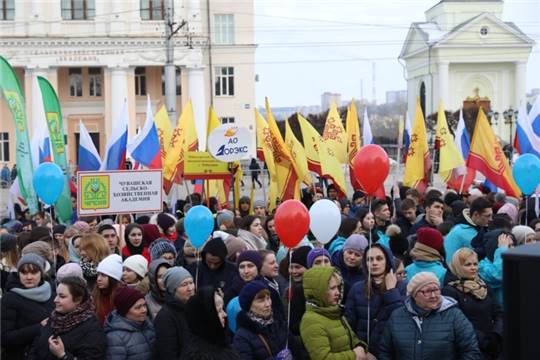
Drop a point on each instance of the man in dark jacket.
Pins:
(433, 216)
(213, 268)
(449, 335)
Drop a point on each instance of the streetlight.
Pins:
(494, 116)
(508, 120)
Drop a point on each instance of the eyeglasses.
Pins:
(428, 292)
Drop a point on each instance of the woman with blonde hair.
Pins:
(92, 249)
(476, 301)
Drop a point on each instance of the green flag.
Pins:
(56, 133)
(11, 90)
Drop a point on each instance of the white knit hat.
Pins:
(111, 266)
(138, 264)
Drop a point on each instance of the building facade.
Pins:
(98, 53)
(465, 52)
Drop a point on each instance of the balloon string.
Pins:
(197, 270)
(289, 302)
(369, 272)
(52, 241)
(526, 210)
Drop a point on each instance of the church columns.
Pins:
(443, 84)
(120, 92)
(195, 76)
(520, 78)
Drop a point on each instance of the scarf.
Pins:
(64, 323)
(89, 269)
(41, 293)
(253, 241)
(424, 253)
(259, 319)
(73, 254)
(272, 283)
(134, 250)
(476, 288)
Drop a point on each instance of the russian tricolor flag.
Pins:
(462, 177)
(367, 136)
(534, 116)
(40, 144)
(89, 159)
(463, 142)
(144, 148)
(115, 154)
(527, 140)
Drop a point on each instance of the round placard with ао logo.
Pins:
(230, 143)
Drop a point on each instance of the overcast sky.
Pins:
(307, 47)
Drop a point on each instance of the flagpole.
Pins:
(399, 145)
(463, 181)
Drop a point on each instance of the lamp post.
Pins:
(494, 116)
(509, 116)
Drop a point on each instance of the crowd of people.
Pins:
(412, 276)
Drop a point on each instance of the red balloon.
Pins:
(292, 222)
(371, 167)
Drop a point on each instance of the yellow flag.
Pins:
(320, 155)
(311, 144)
(353, 140)
(184, 139)
(487, 156)
(286, 173)
(298, 154)
(449, 156)
(265, 153)
(418, 161)
(334, 135)
(164, 130)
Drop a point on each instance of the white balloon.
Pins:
(324, 220)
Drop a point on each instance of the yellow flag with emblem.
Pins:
(266, 154)
(334, 135)
(164, 130)
(353, 141)
(298, 154)
(418, 161)
(311, 144)
(449, 156)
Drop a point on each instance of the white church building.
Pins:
(464, 51)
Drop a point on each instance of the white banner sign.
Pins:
(117, 192)
(230, 143)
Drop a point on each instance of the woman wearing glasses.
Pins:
(428, 326)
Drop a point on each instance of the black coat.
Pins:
(21, 319)
(86, 341)
(221, 277)
(247, 340)
(171, 329)
(197, 348)
(486, 317)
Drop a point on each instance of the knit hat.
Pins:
(67, 270)
(160, 247)
(82, 226)
(251, 256)
(430, 237)
(248, 293)
(31, 258)
(224, 215)
(40, 248)
(173, 277)
(40, 233)
(510, 210)
(216, 247)
(450, 197)
(356, 242)
(138, 264)
(8, 242)
(150, 233)
(59, 229)
(259, 203)
(315, 253)
(420, 280)
(111, 266)
(165, 221)
(245, 200)
(125, 297)
(521, 232)
(234, 246)
(299, 255)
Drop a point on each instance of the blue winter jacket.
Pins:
(444, 334)
(434, 267)
(460, 236)
(492, 273)
(381, 307)
(127, 339)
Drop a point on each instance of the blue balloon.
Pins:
(526, 172)
(48, 181)
(199, 224)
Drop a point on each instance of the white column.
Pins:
(197, 95)
(119, 90)
(520, 79)
(194, 16)
(443, 85)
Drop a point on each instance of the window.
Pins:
(7, 9)
(227, 120)
(95, 81)
(140, 81)
(78, 9)
(4, 146)
(484, 31)
(224, 81)
(178, 81)
(75, 82)
(224, 28)
(152, 10)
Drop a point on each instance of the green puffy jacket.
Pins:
(324, 330)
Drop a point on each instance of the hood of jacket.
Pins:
(152, 278)
(116, 322)
(387, 254)
(316, 285)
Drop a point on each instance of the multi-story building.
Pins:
(97, 53)
(328, 98)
